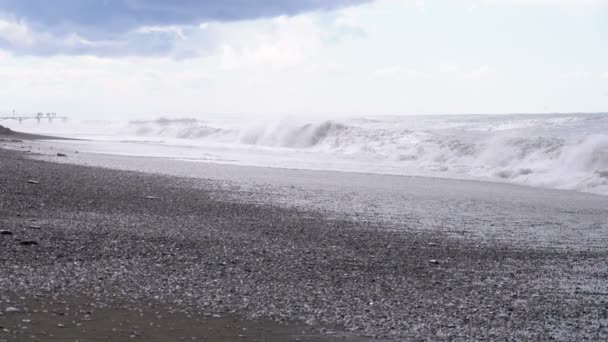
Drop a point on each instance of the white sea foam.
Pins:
(555, 151)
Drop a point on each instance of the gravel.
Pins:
(140, 240)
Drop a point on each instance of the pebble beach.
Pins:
(95, 254)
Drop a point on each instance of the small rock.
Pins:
(31, 181)
(60, 325)
(433, 261)
(151, 197)
(33, 226)
(61, 155)
(432, 244)
(28, 243)
(11, 309)
(6, 232)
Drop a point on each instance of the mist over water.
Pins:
(555, 151)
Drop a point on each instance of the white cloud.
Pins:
(289, 65)
(178, 31)
(402, 72)
(446, 71)
(575, 75)
(347, 22)
(582, 75)
(4, 55)
(22, 38)
(89, 85)
(349, 17)
(483, 71)
(15, 32)
(418, 4)
(562, 3)
(283, 43)
(456, 72)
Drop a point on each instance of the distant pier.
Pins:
(50, 117)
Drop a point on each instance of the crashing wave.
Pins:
(556, 152)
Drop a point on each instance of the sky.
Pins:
(192, 58)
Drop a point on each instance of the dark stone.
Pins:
(28, 243)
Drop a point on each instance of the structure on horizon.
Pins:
(38, 117)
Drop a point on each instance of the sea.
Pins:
(559, 151)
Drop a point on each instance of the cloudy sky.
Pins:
(147, 58)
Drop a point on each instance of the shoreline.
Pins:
(113, 161)
(197, 247)
(509, 213)
(109, 153)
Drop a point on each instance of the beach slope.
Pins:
(88, 252)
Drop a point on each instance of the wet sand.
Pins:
(129, 247)
(81, 319)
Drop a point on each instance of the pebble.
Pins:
(28, 243)
(11, 309)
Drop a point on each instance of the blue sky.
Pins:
(147, 58)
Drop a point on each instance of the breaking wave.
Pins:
(555, 151)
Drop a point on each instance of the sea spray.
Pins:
(566, 151)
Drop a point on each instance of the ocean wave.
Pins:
(566, 152)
